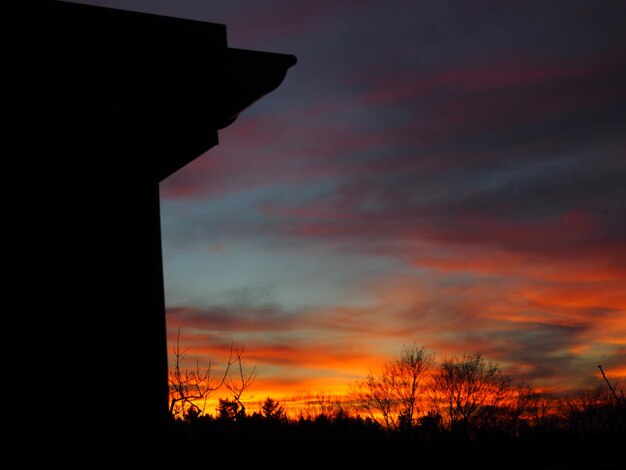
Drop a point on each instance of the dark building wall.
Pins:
(86, 225)
(98, 114)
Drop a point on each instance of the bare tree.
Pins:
(321, 405)
(373, 396)
(394, 398)
(189, 389)
(620, 400)
(534, 407)
(243, 381)
(525, 407)
(468, 390)
(594, 410)
(588, 411)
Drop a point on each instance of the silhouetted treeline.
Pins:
(592, 435)
(464, 413)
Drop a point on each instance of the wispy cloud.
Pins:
(456, 172)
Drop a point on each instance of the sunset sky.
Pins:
(450, 173)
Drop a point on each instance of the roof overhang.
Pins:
(173, 81)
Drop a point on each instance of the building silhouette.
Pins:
(100, 106)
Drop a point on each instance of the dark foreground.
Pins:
(324, 444)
